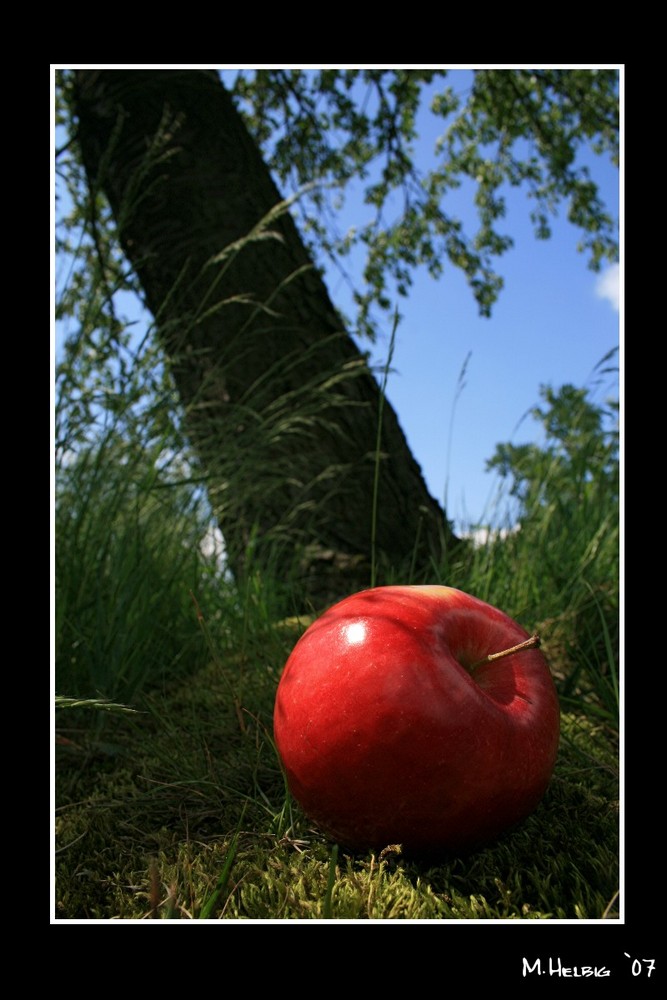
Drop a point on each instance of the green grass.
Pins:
(181, 813)
(127, 557)
(170, 799)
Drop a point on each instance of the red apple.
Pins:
(394, 727)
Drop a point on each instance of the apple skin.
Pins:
(387, 738)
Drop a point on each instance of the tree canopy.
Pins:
(322, 130)
(578, 462)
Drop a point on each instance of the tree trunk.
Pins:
(281, 408)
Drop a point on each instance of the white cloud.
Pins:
(607, 285)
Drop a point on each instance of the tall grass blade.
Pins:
(378, 455)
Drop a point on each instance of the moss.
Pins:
(156, 808)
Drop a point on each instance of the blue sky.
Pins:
(554, 321)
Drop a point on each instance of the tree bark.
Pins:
(281, 408)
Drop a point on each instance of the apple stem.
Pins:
(531, 643)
